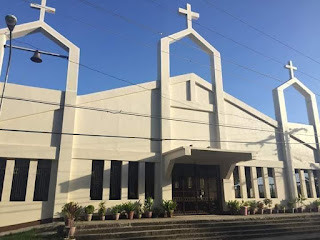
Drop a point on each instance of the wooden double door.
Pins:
(196, 188)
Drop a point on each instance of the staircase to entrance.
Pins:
(206, 227)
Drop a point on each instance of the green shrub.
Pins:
(116, 209)
(277, 206)
(71, 210)
(234, 206)
(267, 202)
(316, 203)
(128, 207)
(299, 200)
(253, 205)
(148, 203)
(169, 205)
(89, 209)
(102, 208)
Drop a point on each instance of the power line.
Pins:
(143, 138)
(260, 31)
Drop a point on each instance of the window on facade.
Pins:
(272, 185)
(133, 180)
(149, 180)
(316, 182)
(248, 182)
(41, 189)
(260, 182)
(19, 180)
(96, 186)
(298, 182)
(3, 163)
(307, 180)
(115, 180)
(236, 181)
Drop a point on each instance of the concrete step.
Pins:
(199, 226)
(204, 232)
(154, 222)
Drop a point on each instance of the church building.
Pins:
(179, 137)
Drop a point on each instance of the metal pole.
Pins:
(7, 73)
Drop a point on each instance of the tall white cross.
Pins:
(291, 67)
(190, 15)
(43, 9)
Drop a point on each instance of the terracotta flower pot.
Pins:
(102, 217)
(148, 214)
(116, 216)
(70, 232)
(68, 222)
(131, 214)
(261, 210)
(171, 213)
(89, 217)
(244, 211)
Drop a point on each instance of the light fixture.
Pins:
(36, 57)
(11, 22)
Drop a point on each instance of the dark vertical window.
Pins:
(298, 181)
(96, 186)
(248, 182)
(3, 163)
(41, 189)
(260, 182)
(133, 180)
(19, 180)
(272, 185)
(316, 182)
(115, 180)
(307, 181)
(236, 181)
(149, 179)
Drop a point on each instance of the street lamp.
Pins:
(11, 22)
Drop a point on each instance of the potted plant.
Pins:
(148, 203)
(260, 207)
(169, 206)
(268, 203)
(138, 209)
(283, 208)
(129, 208)
(233, 206)
(277, 207)
(316, 204)
(290, 205)
(244, 208)
(102, 210)
(116, 212)
(89, 210)
(299, 202)
(253, 207)
(308, 207)
(71, 211)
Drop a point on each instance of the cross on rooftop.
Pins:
(291, 67)
(43, 9)
(190, 15)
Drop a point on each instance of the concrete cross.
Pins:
(43, 9)
(190, 15)
(291, 67)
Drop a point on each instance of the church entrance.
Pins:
(196, 188)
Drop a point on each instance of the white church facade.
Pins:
(179, 137)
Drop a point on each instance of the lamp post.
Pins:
(11, 22)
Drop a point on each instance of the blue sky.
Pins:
(127, 47)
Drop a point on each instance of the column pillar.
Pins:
(31, 180)
(254, 182)
(124, 180)
(3, 40)
(106, 180)
(141, 186)
(266, 182)
(303, 183)
(312, 184)
(7, 182)
(243, 185)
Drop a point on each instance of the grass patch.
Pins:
(29, 235)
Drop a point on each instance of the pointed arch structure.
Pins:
(282, 118)
(64, 155)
